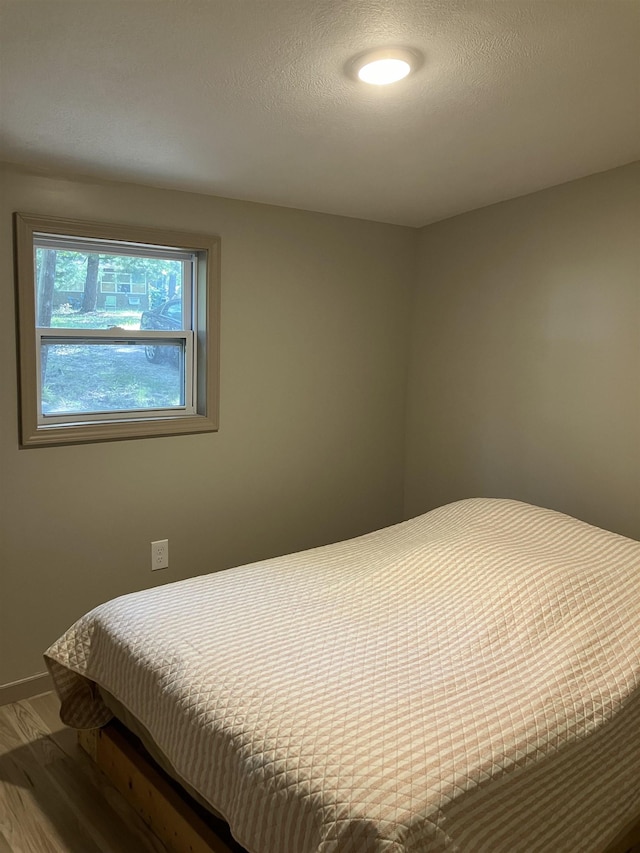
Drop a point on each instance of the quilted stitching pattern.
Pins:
(442, 684)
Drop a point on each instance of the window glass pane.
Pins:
(90, 290)
(84, 378)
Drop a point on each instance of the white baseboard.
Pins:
(25, 688)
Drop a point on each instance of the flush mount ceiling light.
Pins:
(384, 66)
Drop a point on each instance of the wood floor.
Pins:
(52, 797)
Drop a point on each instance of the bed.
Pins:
(468, 680)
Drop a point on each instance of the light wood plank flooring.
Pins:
(52, 797)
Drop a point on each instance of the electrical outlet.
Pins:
(160, 555)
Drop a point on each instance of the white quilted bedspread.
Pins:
(468, 680)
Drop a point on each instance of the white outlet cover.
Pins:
(159, 555)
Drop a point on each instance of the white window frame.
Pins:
(199, 339)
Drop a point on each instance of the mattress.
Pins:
(467, 680)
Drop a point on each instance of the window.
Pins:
(98, 362)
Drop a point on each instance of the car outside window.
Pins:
(118, 331)
(174, 311)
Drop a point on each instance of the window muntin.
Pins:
(123, 331)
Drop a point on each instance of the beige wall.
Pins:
(525, 367)
(523, 382)
(310, 449)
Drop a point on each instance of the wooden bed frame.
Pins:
(175, 817)
(171, 814)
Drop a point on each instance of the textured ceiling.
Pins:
(249, 99)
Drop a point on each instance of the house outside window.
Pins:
(118, 331)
